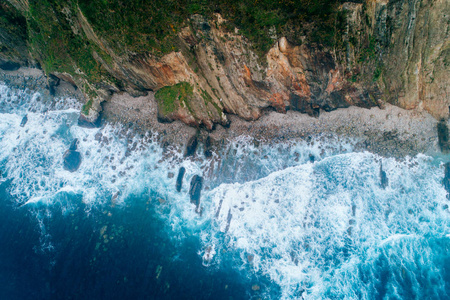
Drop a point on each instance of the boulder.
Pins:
(443, 136)
(53, 83)
(74, 145)
(208, 147)
(384, 181)
(24, 121)
(446, 180)
(87, 122)
(180, 176)
(191, 146)
(72, 158)
(195, 191)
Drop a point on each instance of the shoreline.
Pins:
(391, 131)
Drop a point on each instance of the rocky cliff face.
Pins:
(393, 51)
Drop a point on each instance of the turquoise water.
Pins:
(274, 225)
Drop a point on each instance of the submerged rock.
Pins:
(74, 145)
(180, 176)
(191, 146)
(72, 158)
(24, 121)
(229, 217)
(446, 180)
(384, 181)
(195, 191)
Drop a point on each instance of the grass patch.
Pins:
(377, 73)
(170, 97)
(86, 107)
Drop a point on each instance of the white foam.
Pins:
(307, 226)
(295, 222)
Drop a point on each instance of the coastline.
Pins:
(391, 131)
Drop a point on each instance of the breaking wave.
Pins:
(309, 219)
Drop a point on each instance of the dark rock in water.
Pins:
(180, 176)
(74, 145)
(443, 136)
(84, 122)
(383, 178)
(191, 146)
(195, 191)
(53, 82)
(312, 158)
(72, 160)
(229, 217)
(208, 147)
(24, 121)
(446, 180)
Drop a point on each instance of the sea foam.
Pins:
(311, 216)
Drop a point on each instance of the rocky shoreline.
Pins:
(390, 131)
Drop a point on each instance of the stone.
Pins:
(9, 65)
(53, 82)
(443, 136)
(384, 181)
(191, 146)
(74, 145)
(229, 217)
(446, 180)
(180, 176)
(195, 191)
(208, 147)
(72, 158)
(86, 122)
(24, 121)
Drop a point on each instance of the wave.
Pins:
(311, 216)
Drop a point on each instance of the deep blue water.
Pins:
(274, 224)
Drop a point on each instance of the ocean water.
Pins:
(274, 224)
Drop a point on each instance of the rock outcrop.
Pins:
(179, 183)
(72, 158)
(195, 191)
(382, 51)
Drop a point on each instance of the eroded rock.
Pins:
(443, 136)
(72, 158)
(446, 180)
(191, 146)
(384, 181)
(180, 176)
(195, 191)
(24, 121)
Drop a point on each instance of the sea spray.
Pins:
(289, 225)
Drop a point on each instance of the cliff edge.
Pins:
(203, 63)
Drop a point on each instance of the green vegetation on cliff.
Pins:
(13, 33)
(56, 45)
(151, 25)
(170, 97)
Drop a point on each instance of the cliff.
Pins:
(204, 62)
